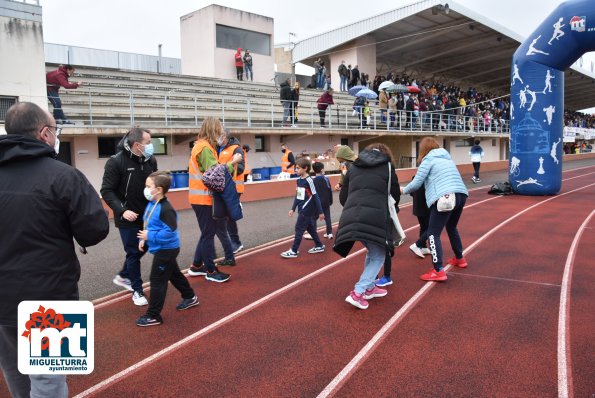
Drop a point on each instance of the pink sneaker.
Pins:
(374, 292)
(357, 300)
(461, 262)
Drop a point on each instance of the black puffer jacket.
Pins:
(364, 197)
(124, 182)
(44, 204)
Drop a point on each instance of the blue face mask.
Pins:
(148, 152)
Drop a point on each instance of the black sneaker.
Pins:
(229, 262)
(197, 271)
(187, 303)
(148, 320)
(217, 276)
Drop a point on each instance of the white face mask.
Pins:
(148, 195)
(220, 140)
(57, 146)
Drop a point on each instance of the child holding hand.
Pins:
(160, 234)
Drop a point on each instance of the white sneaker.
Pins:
(425, 250)
(316, 249)
(416, 250)
(328, 236)
(123, 282)
(239, 248)
(308, 236)
(139, 299)
(289, 254)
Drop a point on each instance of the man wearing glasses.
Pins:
(44, 205)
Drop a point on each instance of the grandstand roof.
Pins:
(439, 40)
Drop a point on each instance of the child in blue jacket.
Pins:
(160, 234)
(309, 209)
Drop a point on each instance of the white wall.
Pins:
(200, 55)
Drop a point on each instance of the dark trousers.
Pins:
(476, 166)
(223, 237)
(448, 219)
(326, 210)
(234, 234)
(205, 248)
(131, 267)
(240, 72)
(54, 98)
(302, 224)
(424, 221)
(322, 114)
(387, 265)
(163, 270)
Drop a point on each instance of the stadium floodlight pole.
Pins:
(291, 56)
(159, 62)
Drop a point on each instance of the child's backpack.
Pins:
(501, 188)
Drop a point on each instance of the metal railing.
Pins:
(180, 108)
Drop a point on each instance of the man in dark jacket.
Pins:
(54, 80)
(285, 97)
(44, 205)
(122, 189)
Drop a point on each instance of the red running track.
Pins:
(281, 328)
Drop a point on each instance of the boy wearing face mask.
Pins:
(160, 233)
(122, 189)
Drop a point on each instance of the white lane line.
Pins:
(356, 361)
(564, 363)
(466, 274)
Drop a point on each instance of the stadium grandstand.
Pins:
(456, 61)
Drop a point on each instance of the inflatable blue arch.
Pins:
(537, 96)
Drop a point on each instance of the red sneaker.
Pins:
(432, 275)
(458, 262)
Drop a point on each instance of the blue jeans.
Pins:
(343, 84)
(248, 68)
(223, 236)
(131, 267)
(320, 83)
(305, 223)
(205, 248)
(374, 261)
(25, 386)
(448, 219)
(54, 98)
(287, 108)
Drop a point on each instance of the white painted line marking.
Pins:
(564, 363)
(352, 366)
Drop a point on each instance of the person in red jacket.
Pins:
(239, 64)
(323, 102)
(54, 80)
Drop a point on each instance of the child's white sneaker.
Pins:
(289, 254)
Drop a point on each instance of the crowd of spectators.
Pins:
(577, 119)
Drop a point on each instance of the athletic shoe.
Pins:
(477, 180)
(316, 249)
(432, 275)
(425, 250)
(124, 282)
(197, 271)
(187, 303)
(308, 236)
(375, 292)
(217, 276)
(139, 299)
(148, 320)
(474, 180)
(289, 254)
(229, 262)
(237, 250)
(328, 236)
(357, 300)
(416, 250)
(384, 281)
(461, 262)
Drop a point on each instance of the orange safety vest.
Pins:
(246, 168)
(198, 193)
(224, 157)
(285, 163)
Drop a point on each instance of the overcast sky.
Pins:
(138, 26)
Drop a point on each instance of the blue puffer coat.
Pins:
(438, 173)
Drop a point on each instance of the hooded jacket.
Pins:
(123, 184)
(364, 195)
(44, 204)
(58, 78)
(285, 93)
(438, 173)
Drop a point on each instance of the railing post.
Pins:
(165, 108)
(272, 114)
(131, 108)
(249, 114)
(311, 116)
(90, 108)
(223, 110)
(195, 111)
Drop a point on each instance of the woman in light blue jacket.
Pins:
(439, 175)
